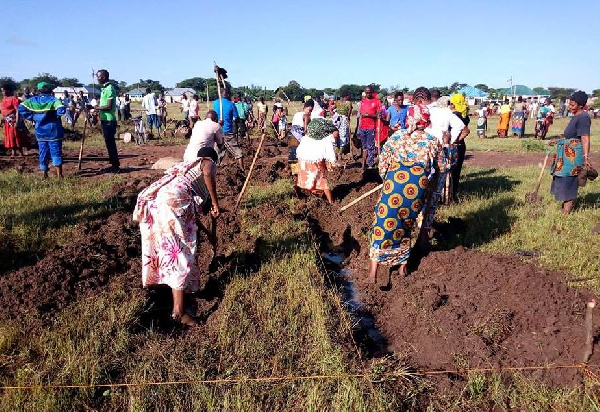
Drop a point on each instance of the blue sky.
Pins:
(317, 43)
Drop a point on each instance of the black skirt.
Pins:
(564, 188)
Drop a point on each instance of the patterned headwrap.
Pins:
(458, 100)
(421, 93)
(417, 117)
(320, 128)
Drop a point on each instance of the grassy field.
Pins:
(277, 320)
(501, 221)
(527, 144)
(280, 319)
(36, 215)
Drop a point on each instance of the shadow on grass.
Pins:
(477, 228)
(52, 219)
(481, 184)
(479, 173)
(589, 201)
(156, 314)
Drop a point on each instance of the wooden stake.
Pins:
(589, 326)
(361, 197)
(82, 141)
(377, 131)
(447, 188)
(207, 98)
(239, 198)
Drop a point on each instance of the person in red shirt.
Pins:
(370, 107)
(14, 138)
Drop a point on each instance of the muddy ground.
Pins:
(458, 308)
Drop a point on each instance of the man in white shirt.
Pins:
(205, 133)
(534, 108)
(149, 102)
(185, 106)
(448, 129)
(443, 120)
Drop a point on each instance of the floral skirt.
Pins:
(312, 176)
(13, 137)
(518, 125)
(481, 126)
(169, 235)
(261, 120)
(396, 212)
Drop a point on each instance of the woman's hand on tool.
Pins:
(215, 211)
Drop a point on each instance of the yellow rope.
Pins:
(273, 379)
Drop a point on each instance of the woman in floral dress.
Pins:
(405, 163)
(168, 211)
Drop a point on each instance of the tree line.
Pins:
(293, 90)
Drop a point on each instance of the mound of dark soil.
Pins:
(460, 308)
(467, 308)
(98, 252)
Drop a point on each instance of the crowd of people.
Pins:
(417, 146)
(45, 112)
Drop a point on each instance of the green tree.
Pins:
(196, 83)
(454, 87)
(42, 77)
(294, 91)
(560, 92)
(152, 84)
(444, 90)
(482, 87)
(538, 90)
(352, 90)
(596, 93)
(70, 82)
(9, 82)
(313, 92)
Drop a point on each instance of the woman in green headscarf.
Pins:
(316, 154)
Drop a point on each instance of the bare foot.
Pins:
(403, 271)
(372, 277)
(185, 320)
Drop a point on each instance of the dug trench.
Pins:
(457, 309)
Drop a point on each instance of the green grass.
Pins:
(37, 214)
(528, 144)
(278, 320)
(501, 221)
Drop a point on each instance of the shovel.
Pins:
(534, 197)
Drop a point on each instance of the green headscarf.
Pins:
(320, 128)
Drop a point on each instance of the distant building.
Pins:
(88, 92)
(473, 95)
(523, 91)
(137, 93)
(175, 95)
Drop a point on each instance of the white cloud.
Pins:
(19, 41)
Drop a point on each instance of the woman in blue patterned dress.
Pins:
(405, 164)
(572, 151)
